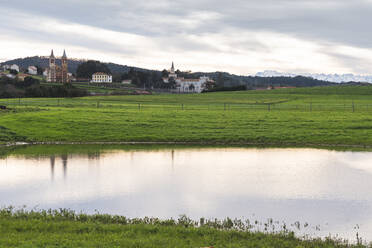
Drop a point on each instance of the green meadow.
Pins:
(320, 116)
(64, 228)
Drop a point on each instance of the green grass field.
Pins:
(332, 116)
(63, 228)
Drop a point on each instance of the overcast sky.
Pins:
(238, 36)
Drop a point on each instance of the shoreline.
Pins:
(51, 229)
(191, 143)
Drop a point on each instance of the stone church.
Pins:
(58, 73)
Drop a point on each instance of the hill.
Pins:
(222, 79)
(73, 64)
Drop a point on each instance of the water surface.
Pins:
(330, 190)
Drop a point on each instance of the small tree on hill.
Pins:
(13, 72)
(87, 69)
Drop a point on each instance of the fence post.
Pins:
(58, 102)
(268, 107)
(311, 107)
(224, 106)
(97, 104)
(182, 106)
(139, 106)
(353, 107)
(19, 101)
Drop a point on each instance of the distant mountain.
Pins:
(337, 78)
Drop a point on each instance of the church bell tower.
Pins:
(52, 77)
(64, 68)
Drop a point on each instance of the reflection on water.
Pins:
(328, 189)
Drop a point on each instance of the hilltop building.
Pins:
(172, 72)
(56, 73)
(14, 67)
(32, 70)
(184, 85)
(22, 76)
(101, 77)
(10, 67)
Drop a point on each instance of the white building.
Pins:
(46, 72)
(32, 70)
(101, 77)
(14, 67)
(184, 85)
(127, 81)
(191, 85)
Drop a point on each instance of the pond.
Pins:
(327, 192)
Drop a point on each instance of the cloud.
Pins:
(238, 36)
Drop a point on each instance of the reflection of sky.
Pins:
(328, 188)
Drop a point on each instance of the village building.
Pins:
(127, 81)
(56, 73)
(6, 67)
(22, 76)
(71, 77)
(46, 72)
(11, 76)
(101, 77)
(14, 67)
(32, 70)
(184, 85)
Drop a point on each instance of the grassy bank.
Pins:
(65, 228)
(296, 117)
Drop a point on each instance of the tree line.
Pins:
(31, 87)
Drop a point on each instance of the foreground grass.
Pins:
(298, 117)
(65, 228)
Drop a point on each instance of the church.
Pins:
(56, 73)
(184, 85)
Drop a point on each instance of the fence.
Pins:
(269, 107)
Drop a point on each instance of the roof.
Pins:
(64, 54)
(101, 73)
(32, 68)
(190, 80)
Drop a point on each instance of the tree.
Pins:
(209, 85)
(13, 72)
(165, 73)
(116, 77)
(136, 80)
(27, 82)
(125, 76)
(39, 70)
(192, 87)
(87, 69)
(220, 80)
(171, 84)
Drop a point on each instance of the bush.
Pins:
(30, 87)
(233, 88)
